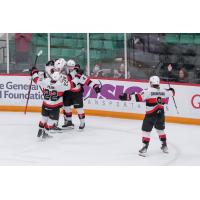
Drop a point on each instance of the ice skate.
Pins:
(46, 135)
(40, 131)
(143, 151)
(82, 126)
(56, 129)
(68, 125)
(164, 148)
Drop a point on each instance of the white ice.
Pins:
(105, 141)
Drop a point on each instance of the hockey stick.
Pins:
(89, 94)
(173, 97)
(29, 91)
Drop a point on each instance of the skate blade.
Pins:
(68, 128)
(142, 154)
(165, 152)
(47, 138)
(80, 130)
(54, 132)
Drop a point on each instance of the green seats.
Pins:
(78, 52)
(120, 36)
(55, 52)
(81, 43)
(109, 36)
(197, 39)
(39, 41)
(57, 41)
(98, 36)
(172, 38)
(96, 44)
(56, 35)
(70, 43)
(94, 54)
(67, 53)
(42, 41)
(109, 54)
(75, 35)
(186, 39)
(34, 40)
(109, 45)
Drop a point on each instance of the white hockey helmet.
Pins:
(71, 63)
(59, 64)
(154, 81)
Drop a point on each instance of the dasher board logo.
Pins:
(12, 90)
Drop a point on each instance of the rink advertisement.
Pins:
(14, 91)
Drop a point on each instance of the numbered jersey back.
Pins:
(53, 92)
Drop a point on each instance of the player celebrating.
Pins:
(155, 98)
(53, 90)
(75, 96)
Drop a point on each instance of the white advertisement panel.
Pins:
(14, 91)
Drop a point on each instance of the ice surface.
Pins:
(105, 141)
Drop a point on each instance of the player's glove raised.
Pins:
(172, 90)
(78, 69)
(125, 97)
(50, 63)
(97, 88)
(33, 70)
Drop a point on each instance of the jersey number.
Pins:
(53, 95)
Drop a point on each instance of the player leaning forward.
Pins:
(155, 98)
(53, 90)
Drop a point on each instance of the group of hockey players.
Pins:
(62, 86)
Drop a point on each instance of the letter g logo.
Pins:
(195, 101)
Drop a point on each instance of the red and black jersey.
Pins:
(155, 98)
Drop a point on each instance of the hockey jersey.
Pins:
(52, 90)
(79, 80)
(155, 98)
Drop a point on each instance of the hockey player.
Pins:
(155, 98)
(53, 90)
(75, 96)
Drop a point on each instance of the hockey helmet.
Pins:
(154, 81)
(59, 64)
(71, 63)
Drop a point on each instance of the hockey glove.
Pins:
(80, 71)
(125, 97)
(77, 66)
(172, 90)
(33, 70)
(97, 88)
(50, 63)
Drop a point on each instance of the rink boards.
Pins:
(14, 90)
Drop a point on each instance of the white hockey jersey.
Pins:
(52, 91)
(155, 98)
(79, 80)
